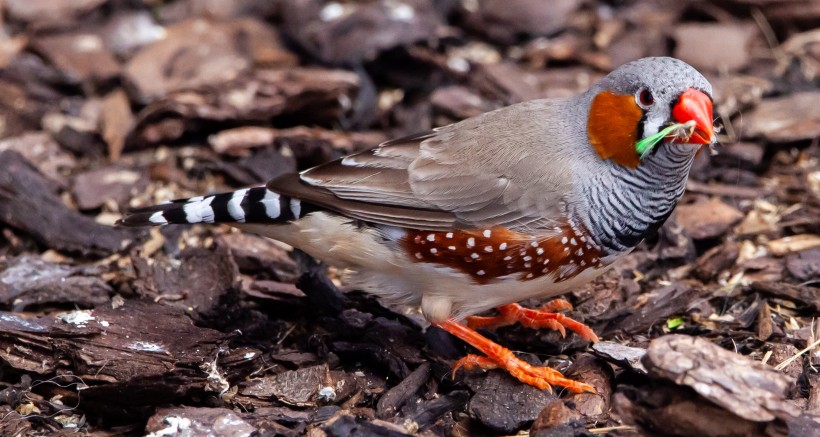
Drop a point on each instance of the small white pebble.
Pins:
(434, 250)
(431, 237)
(527, 258)
(534, 244)
(540, 251)
(474, 255)
(580, 252)
(487, 233)
(507, 258)
(502, 246)
(573, 242)
(449, 235)
(529, 275)
(564, 240)
(488, 249)
(451, 247)
(418, 255)
(471, 242)
(480, 273)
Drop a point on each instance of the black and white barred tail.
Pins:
(248, 205)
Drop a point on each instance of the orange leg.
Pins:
(544, 317)
(500, 357)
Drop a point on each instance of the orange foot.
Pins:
(503, 358)
(544, 317)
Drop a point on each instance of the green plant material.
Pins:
(674, 323)
(644, 146)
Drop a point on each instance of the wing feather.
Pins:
(501, 168)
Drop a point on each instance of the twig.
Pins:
(612, 428)
(783, 365)
(771, 38)
(766, 357)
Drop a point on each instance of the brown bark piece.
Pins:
(28, 203)
(352, 32)
(82, 58)
(597, 373)
(783, 119)
(504, 21)
(710, 219)
(116, 120)
(255, 254)
(137, 341)
(554, 420)
(459, 102)
(316, 95)
(782, 352)
(749, 389)
(804, 265)
(48, 12)
(197, 284)
(660, 304)
(299, 388)
(677, 411)
(30, 281)
(715, 261)
(714, 46)
(237, 141)
(201, 52)
(44, 153)
(93, 188)
(764, 322)
(807, 297)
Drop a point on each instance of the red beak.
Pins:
(695, 105)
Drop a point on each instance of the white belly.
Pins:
(374, 266)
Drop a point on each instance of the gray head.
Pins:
(637, 100)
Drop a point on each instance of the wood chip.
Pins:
(794, 243)
(785, 119)
(710, 219)
(747, 388)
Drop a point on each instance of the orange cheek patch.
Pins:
(612, 127)
(492, 253)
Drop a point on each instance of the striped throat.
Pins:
(621, 206)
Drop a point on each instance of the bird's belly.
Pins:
(380, 266)
(456, 295)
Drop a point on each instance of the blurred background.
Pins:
(111, 104)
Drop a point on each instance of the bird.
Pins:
(531, 200)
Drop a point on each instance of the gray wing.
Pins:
(505, 168)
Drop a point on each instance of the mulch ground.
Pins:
(708, 329)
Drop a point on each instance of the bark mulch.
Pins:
(708, 329)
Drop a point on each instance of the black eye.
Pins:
(645, 98)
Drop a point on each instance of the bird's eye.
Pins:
(645, 98)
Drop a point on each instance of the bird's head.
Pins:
(647, 104)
